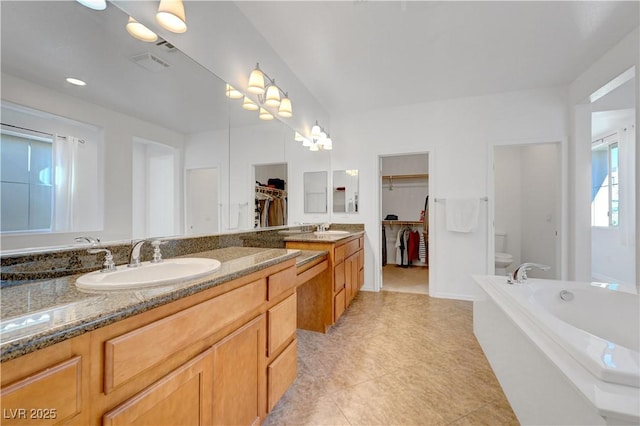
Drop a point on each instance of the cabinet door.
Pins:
(352, 275)
(183, 397)
(239, 376)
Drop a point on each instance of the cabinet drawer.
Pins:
(48, 397)
(281, 282)
(282, 324)
(351, 247)
(339, 304)
(134, 352)
(338, 254)
(182, 397)
(281, 373)
(338, 277)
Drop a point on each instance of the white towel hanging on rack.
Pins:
(462, 214)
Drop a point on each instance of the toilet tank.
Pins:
(501, 242)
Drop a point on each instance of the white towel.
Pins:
(462, 214)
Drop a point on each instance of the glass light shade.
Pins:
(139, 31)
(328, 144)
(298, 137)
(272, 98)
(232, 93)
(307, 142)
(94, 4)
(265, 115)
(249, 105)
(171, 16)
(256, 81)
(314, 147)
(285, 109)
(315, 131)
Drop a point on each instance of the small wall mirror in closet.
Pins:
(315, 192)
(345, 191)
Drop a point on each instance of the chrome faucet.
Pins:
(520, 273)
(134, 256)
(108, 265)
(323, 227)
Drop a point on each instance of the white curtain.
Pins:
(65, 160)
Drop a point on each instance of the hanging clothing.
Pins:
(422, 252)
(384, 246)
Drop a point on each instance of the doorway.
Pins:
(270, 195)
(404, 192)
(527, 207)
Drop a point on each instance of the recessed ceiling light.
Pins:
(76, 81)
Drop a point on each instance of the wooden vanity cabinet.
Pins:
(222, 356)
(343, 280)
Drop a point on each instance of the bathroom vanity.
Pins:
(218, 350)
(324, 299)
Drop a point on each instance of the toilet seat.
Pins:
(504, 257)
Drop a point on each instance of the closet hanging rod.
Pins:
(444, 200)
(271, 191)
(414, 176)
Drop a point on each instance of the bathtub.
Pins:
(564, 352)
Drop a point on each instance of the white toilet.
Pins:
(503, 260)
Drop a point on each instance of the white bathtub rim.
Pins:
(575, 340)
(608, 399)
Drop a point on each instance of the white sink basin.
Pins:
(332, 232)
(149, 274)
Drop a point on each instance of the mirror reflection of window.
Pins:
(50, 173)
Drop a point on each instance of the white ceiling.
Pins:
(364, 55)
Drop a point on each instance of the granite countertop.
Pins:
(41, 313)
(328, 238)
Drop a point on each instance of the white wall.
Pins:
(119, 130)
(457, 134)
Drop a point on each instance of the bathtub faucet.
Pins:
(520, 274)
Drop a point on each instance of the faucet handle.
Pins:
(108, 265)
(157, 254)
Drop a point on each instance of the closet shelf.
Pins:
(415, 176)
(402, 222)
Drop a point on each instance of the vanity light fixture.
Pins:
(318, 140)
(232, 92)
(171, 16)
(75, 81)
(94, 4)
(139, 31)
(269, 94)
(265, 115)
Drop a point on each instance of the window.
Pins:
(26, 180)
(605, 185)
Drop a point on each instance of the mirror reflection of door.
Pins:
(527, 207)
(202, 201)
(613, 180)
(154, 187)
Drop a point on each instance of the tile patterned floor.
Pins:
(394, 359)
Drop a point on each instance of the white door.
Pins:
(202, 201)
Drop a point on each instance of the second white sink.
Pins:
(149, 274)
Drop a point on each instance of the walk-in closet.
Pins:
(270, 195)
(404, 185)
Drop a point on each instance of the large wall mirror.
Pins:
(164, 132)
